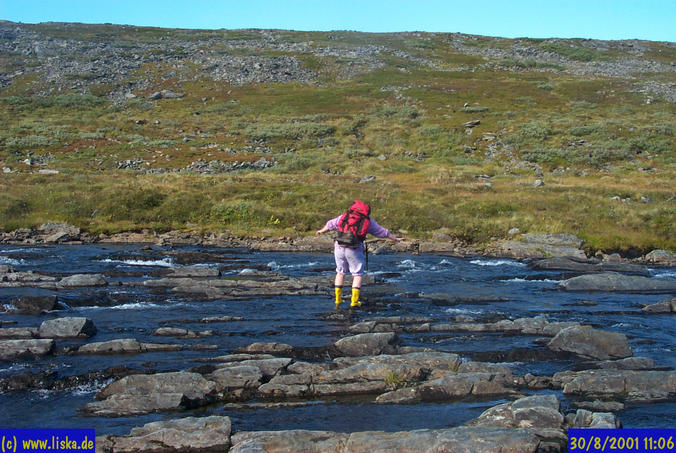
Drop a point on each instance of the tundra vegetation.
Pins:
(269, 133)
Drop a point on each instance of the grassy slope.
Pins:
(413, 141)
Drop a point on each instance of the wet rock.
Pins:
(191, 434)
(613, 281)
(82, 280)
(268, 367)
(72, 327)
(145, 393)
(579, 265)
(588, 342)
(125, 346)
(181, 333)
(19, 332)
(538, 411)
(484, 367)
(34, 305)
(367, 344)
(268, 348)
(664, 306)
(609, 384)
(400, 396)
(12, 349)
(195, 271)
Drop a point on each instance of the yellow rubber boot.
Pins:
(339, 296)
(355, 298)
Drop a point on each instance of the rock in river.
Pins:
(367, 344)
(191, 434)
(588, 342)
(613, 281)
(11, 349)
(82, 280)
(145, 393)
(67, 328)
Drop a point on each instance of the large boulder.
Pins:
(11, 349)
(367, 344)
(591, 343)
(75, 327)
(613, 281)
(188, 435)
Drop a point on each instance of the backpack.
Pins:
(353, 225)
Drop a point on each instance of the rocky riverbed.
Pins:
(199, 347)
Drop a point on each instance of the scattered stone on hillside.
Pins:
(70, 327)
(588, 342)
(187, 435)
(613, 281)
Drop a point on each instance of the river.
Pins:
(486, 289)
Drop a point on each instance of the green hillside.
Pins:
(271, 132)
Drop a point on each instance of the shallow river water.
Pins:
(487, 289)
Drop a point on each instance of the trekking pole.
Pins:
(366, 255)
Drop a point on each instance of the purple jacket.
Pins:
(374, 229)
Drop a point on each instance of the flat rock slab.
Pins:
(577, 265)
(11, 349)
(634, 385)
(616, 282)
(461, 439)
(191, 434)
(126, 346)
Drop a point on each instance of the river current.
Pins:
(485, 289)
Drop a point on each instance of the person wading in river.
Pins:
(348, 249)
